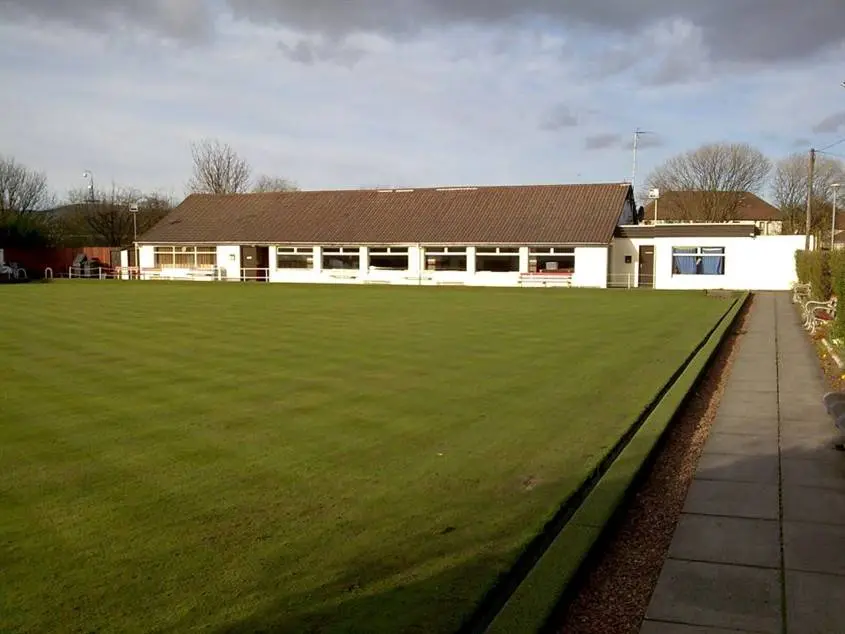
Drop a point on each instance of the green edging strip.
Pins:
(533, 602)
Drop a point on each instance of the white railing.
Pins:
(88, 273)
(627, 280)
(258, 274)
(559, 280)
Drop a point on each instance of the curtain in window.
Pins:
(713, 265)
(685, 264)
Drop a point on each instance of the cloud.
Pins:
(763, 31)
(557, 118)
(646, 141)
(801, 143)
(603, 141)
(183, 20)
(830, 124)
(312, 51)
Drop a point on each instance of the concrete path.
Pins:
(760, 546)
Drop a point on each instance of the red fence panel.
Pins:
(57, 258)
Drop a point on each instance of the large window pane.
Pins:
(392, 258)
(445, 259)
(341, 259)
(294, 258)
(698, 260)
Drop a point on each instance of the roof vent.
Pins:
(403, 191)
(457, 189)
(385, 191)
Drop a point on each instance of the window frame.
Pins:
(446, 254)
(293, 255)
(496, 254)
(185, 257)
(700, 255)
(536, 256)
(389, 253)
(344, 254)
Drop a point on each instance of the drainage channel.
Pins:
(496, 598)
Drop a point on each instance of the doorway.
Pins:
(645, 277)
(255, 264)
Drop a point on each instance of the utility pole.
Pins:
(811, 173)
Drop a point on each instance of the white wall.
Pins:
(229, 261)
(590, 267)
(761, 263)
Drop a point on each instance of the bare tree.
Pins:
(720, 172)
(790, 189)
(218, 169)
(109, 221)
(22, 190)
(265, 184)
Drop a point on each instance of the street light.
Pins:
(835, 187)
(134, 209)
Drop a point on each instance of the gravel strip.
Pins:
(613, 591)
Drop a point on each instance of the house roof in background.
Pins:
(675, 205)
(522, 214)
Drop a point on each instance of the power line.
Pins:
(840, 156)
(827, 147)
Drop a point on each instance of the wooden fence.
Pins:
(58, 258)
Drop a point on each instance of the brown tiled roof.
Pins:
(526, 214)
(690, 206)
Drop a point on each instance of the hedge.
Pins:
(825, 272)
(813, 268)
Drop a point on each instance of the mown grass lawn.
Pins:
(238, 458)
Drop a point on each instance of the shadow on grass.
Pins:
(401, 608)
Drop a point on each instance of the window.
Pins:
(342, 258)
(185, 257)
(295, 258)
(556, 260)
(698, 260)
(497, 260)
(391, 258)
(446, 259)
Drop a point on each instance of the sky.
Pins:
(411, 93)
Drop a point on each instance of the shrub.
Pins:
(837, 277)
(814, 268)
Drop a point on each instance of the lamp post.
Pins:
(835, 187)
(133, 209)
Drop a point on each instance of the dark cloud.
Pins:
(646, 141)
(802, 143)
(176, 19)
(603, 141)
(830, 124)
(754, 30)
(765, 31)
(311, 52)
(559, 117)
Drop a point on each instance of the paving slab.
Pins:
(662, 627)
(814, 548)
(813, 504)
(733, 499)
(735, 468)
(750, 404)
(717, 595)
(799, 409)
(814, 603)
(744, 425)
(743, 444)
(826, 474)
(727, 540)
